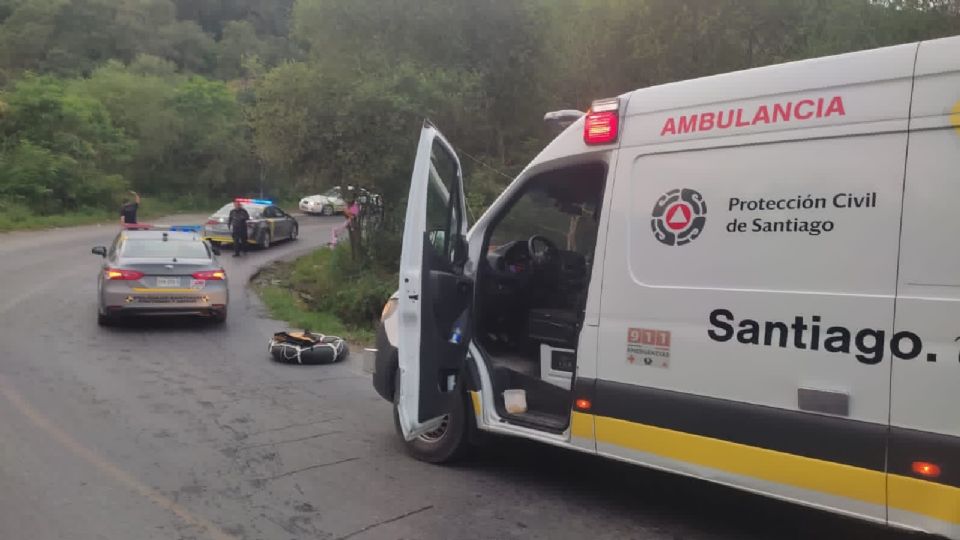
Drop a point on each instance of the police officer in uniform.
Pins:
(238, 227)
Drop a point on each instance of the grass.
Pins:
(285, 305)
(314, 293)
(17, 218)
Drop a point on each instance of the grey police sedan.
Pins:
(160, 271)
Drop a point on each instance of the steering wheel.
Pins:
(547, 255)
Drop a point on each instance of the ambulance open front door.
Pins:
(435, 297)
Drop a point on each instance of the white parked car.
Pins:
(327, 204)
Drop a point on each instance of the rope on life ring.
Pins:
(306, 348)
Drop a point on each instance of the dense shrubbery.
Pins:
(333, 281)
(70, 144)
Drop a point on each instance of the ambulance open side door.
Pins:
(435, 297)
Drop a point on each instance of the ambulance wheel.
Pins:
(327, 210)
(447, 443)
(263, 240)
(295, 233)
(219, 317)
(104, 320)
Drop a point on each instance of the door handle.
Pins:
(413, 296)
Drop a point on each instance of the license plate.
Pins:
(168, 282)
(164, 299)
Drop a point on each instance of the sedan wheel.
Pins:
(264, 240)
(327, 210)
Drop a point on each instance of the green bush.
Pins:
(286, 306)
(332, 281)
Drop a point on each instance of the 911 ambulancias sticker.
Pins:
(648, 347)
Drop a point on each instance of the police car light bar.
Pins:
(254, 201)
(170, 228)
(602, 124)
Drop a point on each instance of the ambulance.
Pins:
(751, 278)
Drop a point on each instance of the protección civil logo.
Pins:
(678, 217)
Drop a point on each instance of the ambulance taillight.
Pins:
(602, 123)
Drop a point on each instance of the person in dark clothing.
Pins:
(128, 212)
(238, 227)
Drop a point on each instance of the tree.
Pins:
(139, 103)
(212, 147)
(186, 44)
(238, 45)
(60, 150)
(191, 132)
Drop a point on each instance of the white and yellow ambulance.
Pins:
(751, 278)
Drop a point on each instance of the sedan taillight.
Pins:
(210, 275)
(119, 274)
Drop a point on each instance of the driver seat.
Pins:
(556, 327)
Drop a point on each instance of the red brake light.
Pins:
(119, 274)
(210, 275)
(602, 123)
(212, 222)
(924, 468)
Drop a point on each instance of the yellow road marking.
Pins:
(119, 475)
(955, 117)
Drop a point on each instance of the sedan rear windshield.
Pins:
(142, 248)
(253, 209)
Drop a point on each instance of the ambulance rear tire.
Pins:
(448, 443)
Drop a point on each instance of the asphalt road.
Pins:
(164, 430)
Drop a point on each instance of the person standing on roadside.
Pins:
(238, 228)
(128, 211)
(350, 214)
